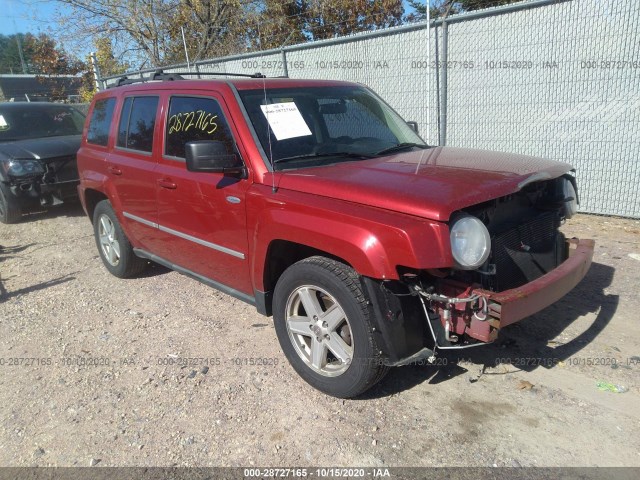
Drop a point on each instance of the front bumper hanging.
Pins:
(480, 313)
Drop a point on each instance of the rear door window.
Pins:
(100, 122)
(195, 118)
(137, 122)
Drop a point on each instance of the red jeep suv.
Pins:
(317, 203)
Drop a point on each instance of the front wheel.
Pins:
(114, 247)
(323, 324)
(10, 211)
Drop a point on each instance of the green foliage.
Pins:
(10, 55)
(107, 62)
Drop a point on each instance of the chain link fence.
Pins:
(558, 79)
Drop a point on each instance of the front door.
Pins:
(201, 216)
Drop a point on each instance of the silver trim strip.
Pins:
(199, 241)
(141, 220)
(204, 243)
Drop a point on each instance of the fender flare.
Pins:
(373, 247)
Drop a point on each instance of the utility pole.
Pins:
(22, 62)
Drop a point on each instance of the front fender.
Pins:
(373, 241)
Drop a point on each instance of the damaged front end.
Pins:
(526, 265)
(41, 182)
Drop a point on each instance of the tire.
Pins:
(332, 348)
(10, 211)
(113, 245)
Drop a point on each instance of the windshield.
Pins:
(311, 126)
(21, 122)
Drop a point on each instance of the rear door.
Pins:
(131, 166)
(201, 216)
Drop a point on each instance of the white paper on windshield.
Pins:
(3, 122)
(285, 120)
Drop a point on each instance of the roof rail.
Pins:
(248, 75)
(160, 75)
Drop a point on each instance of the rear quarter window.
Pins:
(98, 132)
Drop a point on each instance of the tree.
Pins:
(336, 18)
(10, 61)
(108, 64)
(149, 32)
(440, 8)
(274, 23)
(46, 57)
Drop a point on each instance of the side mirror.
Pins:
(413, 126)
(212, 156)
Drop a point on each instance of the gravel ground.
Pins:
(162, 370)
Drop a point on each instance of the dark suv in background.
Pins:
(38, 146)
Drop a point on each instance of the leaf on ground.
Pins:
(524, 385)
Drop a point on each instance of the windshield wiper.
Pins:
(326, 154)
(400, 146)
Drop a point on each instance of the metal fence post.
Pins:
(443, 85)
(284, 63)
(96, 71)
(525, 77)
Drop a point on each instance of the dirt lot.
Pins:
(104, 381)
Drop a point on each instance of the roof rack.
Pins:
(160, 75)
(248, 75)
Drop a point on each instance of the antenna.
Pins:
(186, 53)
(264, 89)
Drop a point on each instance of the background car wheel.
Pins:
(322, 322)
(114, 247)
(10, 211)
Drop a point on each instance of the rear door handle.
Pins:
(167, 183)
(114, 170)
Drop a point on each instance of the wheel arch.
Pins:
(91, 198)
(281, 254)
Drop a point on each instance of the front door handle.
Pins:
(167, 183)
(114, 170)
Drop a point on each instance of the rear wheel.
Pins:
(114, 247)
(10, 211)
(322, 322)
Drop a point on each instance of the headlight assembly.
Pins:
(470, 242)
(22, 168)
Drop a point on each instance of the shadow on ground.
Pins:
(70, 209)
(528, 344)
(5, 295)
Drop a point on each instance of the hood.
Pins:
(40, 148)
(431, 183)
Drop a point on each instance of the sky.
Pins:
(38, 16)
(22, 16)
